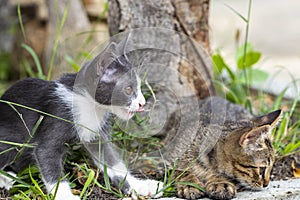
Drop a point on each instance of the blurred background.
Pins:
(274, 31)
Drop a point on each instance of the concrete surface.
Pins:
(274, 31)
(277, 190)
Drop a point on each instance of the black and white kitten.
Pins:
(104, 86)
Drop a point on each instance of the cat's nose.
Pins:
(141, 109)
(266, 183)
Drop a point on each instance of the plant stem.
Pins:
(245, 49)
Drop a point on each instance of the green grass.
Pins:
(236, 88)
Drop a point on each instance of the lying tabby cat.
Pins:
(222, 152)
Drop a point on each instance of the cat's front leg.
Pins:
(220, 189)
(187, 191)
(50, 161)
(105, 156)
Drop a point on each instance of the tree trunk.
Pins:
(183, 31)
(70, 41)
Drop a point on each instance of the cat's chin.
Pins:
(123, 113)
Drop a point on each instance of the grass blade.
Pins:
(56, 42)
(106, 178)
(36, 60)
(36, 185)
(236, 12)
(14, 178)
(191, 184)
(91, 176)
(17, 144)
(20, 18)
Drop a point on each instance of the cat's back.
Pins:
(27, 90)
(30, 92)
(194, 132)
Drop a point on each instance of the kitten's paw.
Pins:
(146, 188)
(222, 190)
(63, 192)
(66, 196)
(121, 183)
(189, 192)
(6, 182)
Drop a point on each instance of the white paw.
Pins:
(6, 182)
(66, 196)
(63, 191)
(146, 188)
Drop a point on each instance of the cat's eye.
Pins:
(128, 90)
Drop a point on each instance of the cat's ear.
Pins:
(112, 53)
(263, 127)
(271, 119)
(252, 139)
(108, 56)
(122, 45)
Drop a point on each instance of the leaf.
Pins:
(239, 53)
(254, 76)
(219, 64)
(252, 58)
(296, 169)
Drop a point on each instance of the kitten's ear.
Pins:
(108, 56)
(271, 119)
(112, 53)
(263, 127)
(121, 46)
(251, 140)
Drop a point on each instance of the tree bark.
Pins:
(188, 19)
(70, 41)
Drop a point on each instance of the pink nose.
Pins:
(141, 109)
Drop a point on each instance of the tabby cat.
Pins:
(108, 85)
(223, 152)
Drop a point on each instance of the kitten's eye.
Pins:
(128, 90)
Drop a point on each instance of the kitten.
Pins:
(227, 153)
(108, 85)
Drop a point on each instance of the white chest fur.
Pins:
(88, 115)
